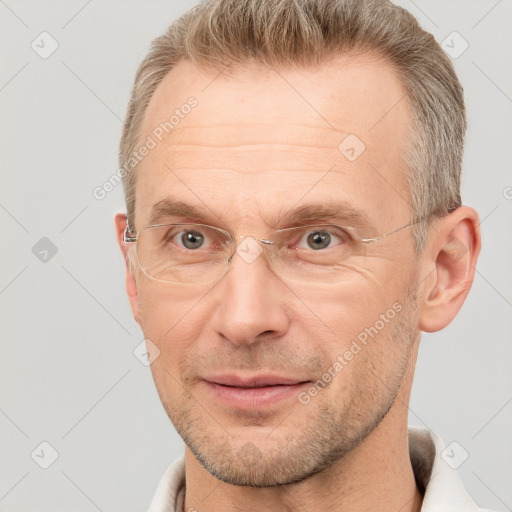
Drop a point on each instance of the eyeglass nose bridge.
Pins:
(238, 242)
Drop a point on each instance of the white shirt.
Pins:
(444, 491)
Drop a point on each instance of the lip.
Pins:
(253, 392)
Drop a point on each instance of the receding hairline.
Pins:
(332, 120)
(254, 67)
(216, 31)
(353, 57)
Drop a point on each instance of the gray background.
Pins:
(68, 373)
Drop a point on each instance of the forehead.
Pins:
(262, 134)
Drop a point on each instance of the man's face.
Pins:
(241, 358)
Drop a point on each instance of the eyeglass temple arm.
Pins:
(371, 240)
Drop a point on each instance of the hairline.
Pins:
(234, 69)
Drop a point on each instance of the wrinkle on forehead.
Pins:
(249, 133)
(357, 99)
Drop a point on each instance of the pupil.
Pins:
(192, 240)
(319, 240)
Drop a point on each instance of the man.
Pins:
(293, 223)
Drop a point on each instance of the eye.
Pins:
(319, 239)
(190, 239)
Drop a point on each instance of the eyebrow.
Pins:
(170, 208)
(330, 210)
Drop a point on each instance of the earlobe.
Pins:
(453, 251)
(130, 282)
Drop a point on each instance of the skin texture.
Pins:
(259, 143)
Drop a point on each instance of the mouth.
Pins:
(254, 392)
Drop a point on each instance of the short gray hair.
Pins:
(231, 33)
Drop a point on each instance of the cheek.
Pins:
(349, 307)
(172, 320)
(360, 318)
(367, 351)
(174, 325)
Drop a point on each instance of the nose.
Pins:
(253, 303)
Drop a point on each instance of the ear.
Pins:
(131, 285)
(452, 251)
